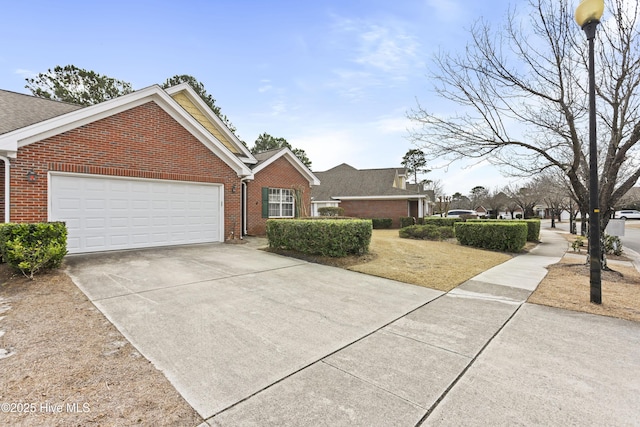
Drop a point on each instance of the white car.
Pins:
(627, 214)
(457, 213)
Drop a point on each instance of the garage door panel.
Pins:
(108, 213)
(95, 242)
(95, 223)
(121, 240)
(69, 203)
(95, 204)
(160, 221)
(118, 222)
(118, 204)
(95, 185)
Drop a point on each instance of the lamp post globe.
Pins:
(589, 10)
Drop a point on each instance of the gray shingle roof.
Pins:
(18, 110)
(346, 181)
(264, 156)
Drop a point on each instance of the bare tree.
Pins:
(553, 189)
(523, 91)
(496, 200)
(526, 197)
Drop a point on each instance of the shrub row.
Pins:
(406, 221)
(427, 232)
(441, 221)
(379, 223)
(336, 238)
(533, 226)
(494, 235)
(30, 248)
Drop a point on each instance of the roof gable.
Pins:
(11, 141)
(268, 157)
(188, 99)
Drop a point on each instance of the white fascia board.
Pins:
(249, 161)
(10, 142)
(398, 197)
(211, 116)
(295, 161)
(325, 201)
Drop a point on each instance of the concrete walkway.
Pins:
(280, 342)
(476, 356)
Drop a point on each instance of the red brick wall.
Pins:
(393, 209)
(279, 174)
(141, 142)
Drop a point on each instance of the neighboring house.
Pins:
(371, 193)
(151, 168)
(281, 187)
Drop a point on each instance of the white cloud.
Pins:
(387, 49)
(352, 84)
(25, 73)
(373, 53)
(393, 124)
(265, 86)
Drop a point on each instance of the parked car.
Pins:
(627, 214)
(457, 213)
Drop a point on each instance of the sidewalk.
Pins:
(478, 355)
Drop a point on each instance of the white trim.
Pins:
(7, 189)
(11, 141)
(398, 197)
(244, 190)
(325, 201)
(294, 160)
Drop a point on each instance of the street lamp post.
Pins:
(588, 14)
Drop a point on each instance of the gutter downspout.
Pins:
(7, 188)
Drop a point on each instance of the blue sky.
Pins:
(335, 78)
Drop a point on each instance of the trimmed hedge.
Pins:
(331, 211)
(441, 221)
(426, 232)
(379, 223)
(406, 221)
(494, 235)
(533, 226)
(334, 238)
(30, 248)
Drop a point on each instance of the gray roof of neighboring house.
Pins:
(265, 155)
(346, 181)
(18, 110)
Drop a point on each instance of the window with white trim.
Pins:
(281, 203)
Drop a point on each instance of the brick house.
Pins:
(371, 193)
(152, 168)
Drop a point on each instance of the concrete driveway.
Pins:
(224, 322)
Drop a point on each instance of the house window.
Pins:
(281, 203)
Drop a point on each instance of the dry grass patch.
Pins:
(437, 265)
(567, 286)
(60, 351)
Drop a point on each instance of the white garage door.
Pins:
(106, 213)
